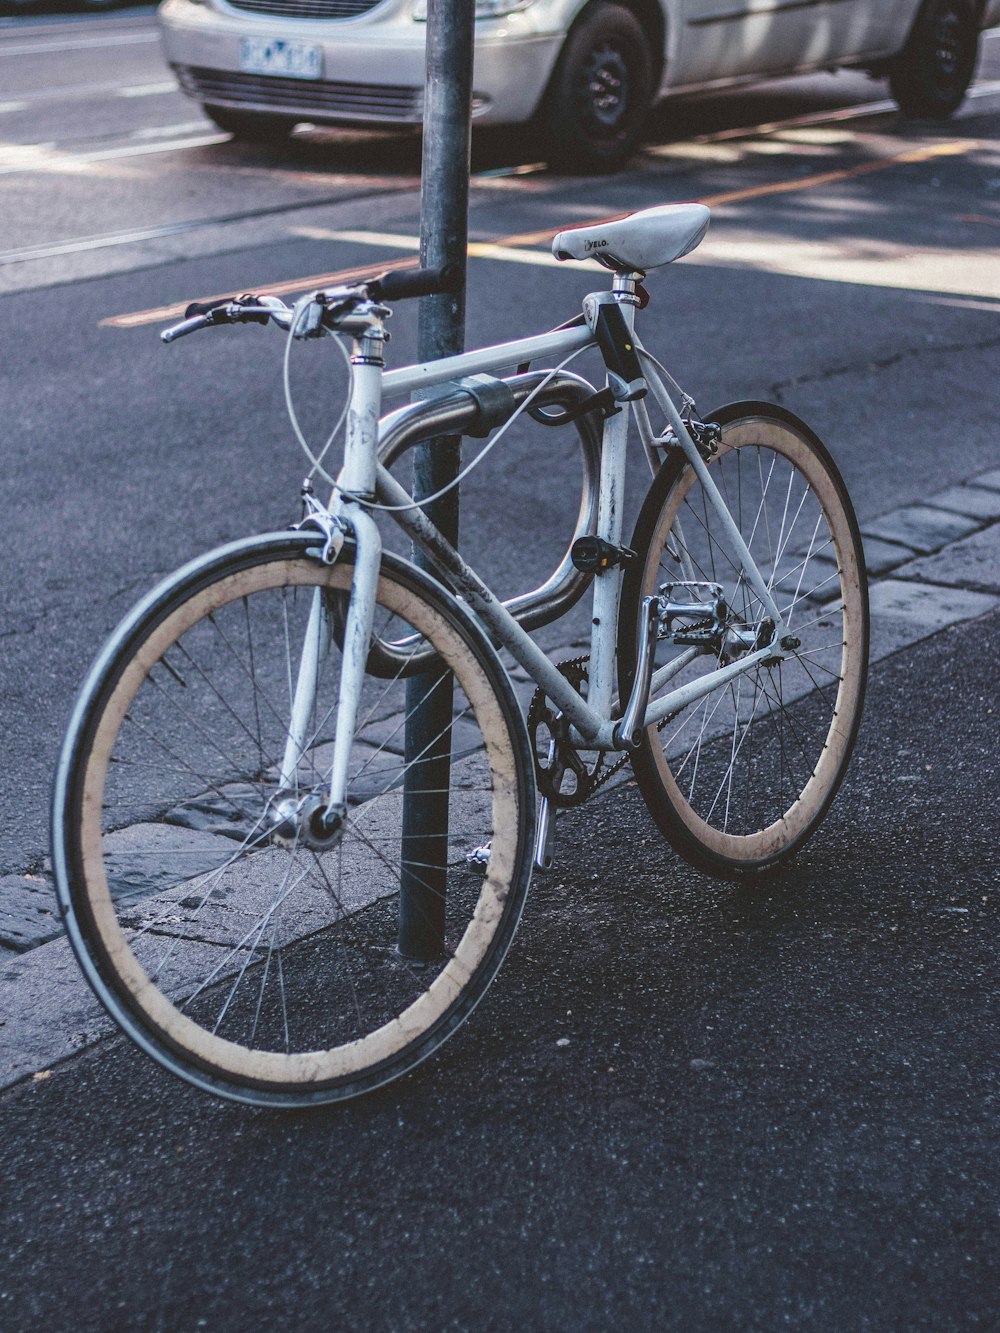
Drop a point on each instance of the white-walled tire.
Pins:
(739, 780)
(262, 968)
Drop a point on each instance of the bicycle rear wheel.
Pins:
(739, 780)
(255, 957)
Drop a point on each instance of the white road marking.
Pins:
(149, 89)
(974, 273)
(391, 240)
(968, 273)
(82, 91)
(394, 241)
(181, 131)
(46, 157)
(8, 48)
(104, 242)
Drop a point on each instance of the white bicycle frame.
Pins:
(362, 477)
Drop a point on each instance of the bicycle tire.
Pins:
(264, 971)
(738, 781)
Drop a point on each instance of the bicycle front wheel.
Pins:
(245, 944)
(740, 779)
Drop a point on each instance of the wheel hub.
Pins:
(948, 43)
(304, 821)
(607, 87)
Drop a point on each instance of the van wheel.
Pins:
(253, 125)
(601, 91)
(930, 75)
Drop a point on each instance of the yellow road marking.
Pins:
(317, 280)
(952, 149)
(504, 248)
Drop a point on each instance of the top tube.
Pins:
(409, 379)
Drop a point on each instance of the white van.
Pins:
(582, 73)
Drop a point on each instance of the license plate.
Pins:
(292, 60)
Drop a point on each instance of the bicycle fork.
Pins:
(317, 819)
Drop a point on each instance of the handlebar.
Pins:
(245, 309)
(328, 305)
(404, 284)
(185, 326)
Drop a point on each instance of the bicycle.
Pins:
(288, 882)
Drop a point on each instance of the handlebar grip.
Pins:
(403, 284)
(230, 310)
(186, 326)
(197, 308)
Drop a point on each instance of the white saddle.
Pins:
(645, 240)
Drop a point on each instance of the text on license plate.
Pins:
(294, 60)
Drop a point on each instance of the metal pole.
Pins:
(444, 231)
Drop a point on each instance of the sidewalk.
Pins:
(682, 1105)
(933, 565)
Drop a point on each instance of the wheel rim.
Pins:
(604, 89)
(950, 49)
(948, 45)
(265, 963)
(749, 769)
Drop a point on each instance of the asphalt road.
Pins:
(773, 1110)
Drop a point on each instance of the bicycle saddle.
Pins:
(639, 242)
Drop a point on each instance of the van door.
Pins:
(726, 39)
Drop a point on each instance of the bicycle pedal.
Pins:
(687, 600)
(697, 638)
(698, 592)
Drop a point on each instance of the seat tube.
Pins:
(607, 585)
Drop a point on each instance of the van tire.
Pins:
(931, 74)
(601, 91)
(254, 126)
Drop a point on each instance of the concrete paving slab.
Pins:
(975, 501)
(47, 1011)
(921, 528)
(29, 912)
(880, 556)
(903, 613)
(973, 562)
(145, 857)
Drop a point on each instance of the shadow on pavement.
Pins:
(682, 1105)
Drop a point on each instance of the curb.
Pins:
(933, 565)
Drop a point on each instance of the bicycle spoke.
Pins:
(739, 778)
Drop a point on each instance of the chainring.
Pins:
(561, 759)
